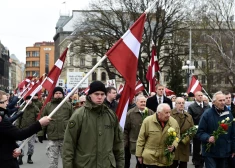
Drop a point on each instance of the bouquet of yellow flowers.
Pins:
(145, 114)
(222, 129)
(168, 142)
(185, 137)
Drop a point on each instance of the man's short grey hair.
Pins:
(217, 93)
(179, 98)
(161, 107)
(139, 97)
(204, 96)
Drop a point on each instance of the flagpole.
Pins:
(151, 7)
(76, 87)
(37, 89)
(144, 87)
(207, 94)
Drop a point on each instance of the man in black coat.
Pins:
(9, 134)
(157, 99)
(228, 103)
(196, 110)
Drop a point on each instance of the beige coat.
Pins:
(133, 123)
(151, 140)
(185, 122)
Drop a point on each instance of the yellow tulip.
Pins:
(174, 134)
(177, 139)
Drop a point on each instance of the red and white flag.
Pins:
(194, 86)
(152, 68)
(86, 90)
(169, 92)
(55, 72)
(22, 85)
(52, 79)
(120, 89)
(35, 89)
(124, 57)
(139, 87)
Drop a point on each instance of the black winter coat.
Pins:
(9, 134)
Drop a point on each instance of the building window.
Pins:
(203, 79)
(35, 73)
(27, 73)
(27, 63)
(27, 53)
(35, 54)
(203, 64)
(82, 61)
(94, 76)
(35, 63)
(196, 64)
(94, 61)
(103, 76)
(46, 63)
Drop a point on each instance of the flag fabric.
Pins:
(52, 79)
(194, 86)
(86, 90)
(54, 73)
(120, 89)
(24, 83)
(35, 88)
(152, 68)
(124, 57)
(139, 87)
(169, 92)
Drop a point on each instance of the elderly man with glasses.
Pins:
(185, 122)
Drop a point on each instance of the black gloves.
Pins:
(40, 139)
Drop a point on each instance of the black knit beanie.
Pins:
(58, 89)
(96, 86)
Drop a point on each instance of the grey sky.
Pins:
(24, 22)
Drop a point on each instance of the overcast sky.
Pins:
(24, 22)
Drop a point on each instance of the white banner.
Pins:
(61, 83)
(111, 82)
(74, 77)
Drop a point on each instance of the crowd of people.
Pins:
(85, 131)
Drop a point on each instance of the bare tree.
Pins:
(215, 20)
(109, 20)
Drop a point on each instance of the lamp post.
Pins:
(189, 70)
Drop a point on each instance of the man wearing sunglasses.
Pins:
(9, 134)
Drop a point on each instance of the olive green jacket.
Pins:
(29, 116)
(151, 140)
(56, 128)
(38, 103)
(185, 122)
(133, 123)
(93, 139)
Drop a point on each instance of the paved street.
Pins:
(41, 161)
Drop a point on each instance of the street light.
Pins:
(189, 70)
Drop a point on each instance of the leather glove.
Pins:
(40, 139)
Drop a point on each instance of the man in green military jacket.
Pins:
(37, 102)
(93, 137)
(55, 130)
(28, 118)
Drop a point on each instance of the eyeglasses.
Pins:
(4, 101)
(180, 102)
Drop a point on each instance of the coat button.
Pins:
(100, 133)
